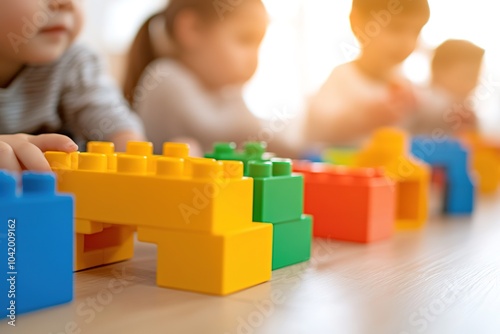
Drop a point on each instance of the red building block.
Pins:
(349, 204)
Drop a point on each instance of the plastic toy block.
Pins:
(278, 197)
(341, 156)
(112, 244)
(292, 242)
(485, 161)
(349, 204)
(279, 200)
(278, 194)
(390, 149)
(36, 244)
(201, 201)
(191, 194)
(252, 151)
(451, 156)
(217, 264)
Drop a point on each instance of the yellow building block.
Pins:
(341, 156)
(389, 149)
(485, 162)
(191, 194)
(208, 204)
(217, 264)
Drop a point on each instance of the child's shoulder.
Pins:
(346, 74)
(172, 76)
(345, 77)
(169, 67)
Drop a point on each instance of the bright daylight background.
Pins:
(306, 39)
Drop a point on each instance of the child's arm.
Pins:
(92, 104)
(340, 116)
(21, 151)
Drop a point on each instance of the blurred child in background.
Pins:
(48, 84)
(187, 67)
(370, 92)
(444, 106)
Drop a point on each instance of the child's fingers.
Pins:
(53, 142)
(31, 157)
(8, 159)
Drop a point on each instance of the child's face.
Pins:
(393, 42)
(38, 31)
(459, 79)
(228, 49)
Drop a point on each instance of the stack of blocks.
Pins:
(454, 158)
(390, 149)
(349, 204)
(198, 212)
(36, 244)
(278, 200)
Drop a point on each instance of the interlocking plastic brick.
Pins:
(485, 162)
(292, 242)
(278, 198)
(201, 199)
(341, 156)
(36, 238)
(349, 204)
(454, 159)
(252, 151)
(217, 264)
(278, 194)
(390, 150)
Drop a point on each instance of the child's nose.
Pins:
(60, 4)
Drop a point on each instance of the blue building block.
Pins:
(36, 244)
(455, 160)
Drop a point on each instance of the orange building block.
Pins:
(198, 212)
(390, 149)
(350, 204)
(485, 158)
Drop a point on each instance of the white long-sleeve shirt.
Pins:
(173, 103)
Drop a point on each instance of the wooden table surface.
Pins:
(444, 279)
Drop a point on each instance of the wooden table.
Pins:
(445, 279)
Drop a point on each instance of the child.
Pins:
(369, 92)
(456, 68)
(195, 90)
(48, 85)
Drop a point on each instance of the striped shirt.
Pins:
(72, 95)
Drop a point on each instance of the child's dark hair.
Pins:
(142, 52)
(455, 51)
(405, 7)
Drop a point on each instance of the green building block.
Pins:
(278, 194)
(292, 242)
(252, 151)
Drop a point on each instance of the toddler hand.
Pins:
(21, 151)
